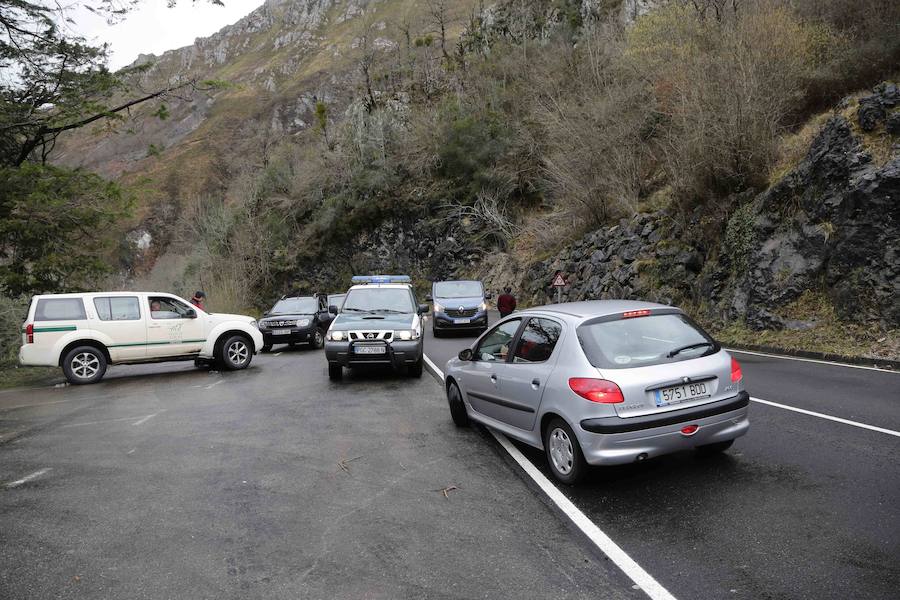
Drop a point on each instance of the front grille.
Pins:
(281, 323)
(466, 312)
(371, 335)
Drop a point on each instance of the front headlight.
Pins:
(302, 322)
(438, 308)
(407, 334)
(483, 306)
(336, 336)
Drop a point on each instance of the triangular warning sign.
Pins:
(558, 281)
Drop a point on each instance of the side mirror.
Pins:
(466, 355)
(423, 309)
(487, 296)
(190, 314)
(429, 297)
(333, 309)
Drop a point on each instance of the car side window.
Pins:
(537, 341)
(494, 347)
(117, 308)
(163, 307)
(59, 309)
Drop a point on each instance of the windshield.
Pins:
(643, 341)
(458, 289)
(296, 306)
(389, 300)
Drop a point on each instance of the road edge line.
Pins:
(812, 360)
(827, 417)
(588, 528)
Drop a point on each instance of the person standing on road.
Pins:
(506, 303)
(197, 300)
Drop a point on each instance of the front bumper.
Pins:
(443, 321)
(298, 335)
(398, 354)
(615, 441)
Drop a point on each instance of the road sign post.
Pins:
(559, 282)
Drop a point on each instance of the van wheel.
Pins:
(457, 407)
(563, 452)
(415, 369)
(335, 371)
(236, 353)
(84, 364)
(718, 447)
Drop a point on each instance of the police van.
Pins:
(379, 323)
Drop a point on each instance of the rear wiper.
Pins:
(688, 347)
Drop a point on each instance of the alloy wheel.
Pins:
(85, 365)
(238, 352)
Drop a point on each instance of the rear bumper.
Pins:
(32, 355)
(613, 440)
(398, 354)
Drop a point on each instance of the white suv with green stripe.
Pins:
(84, 333)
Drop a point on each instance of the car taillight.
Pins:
(29, 333)
(736, 374)
(597, 390)
(635, 313)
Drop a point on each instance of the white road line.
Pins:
(131, 451)
(813, 360)
(35, 404)
(635, 572)
(828, 417)
(99, 422)
(145, 419)
(603, 542)
(27, 478)
(214, 384)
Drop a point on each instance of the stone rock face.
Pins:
(832, 224)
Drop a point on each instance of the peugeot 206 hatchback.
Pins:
(601, 383)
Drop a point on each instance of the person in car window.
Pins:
(506, 303)
(198, 299)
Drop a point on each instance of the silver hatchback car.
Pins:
(602, 382)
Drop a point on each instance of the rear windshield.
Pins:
(59, 309)
(643, 341)
(299, 306)
(458, 289)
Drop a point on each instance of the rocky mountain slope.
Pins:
(316, 138)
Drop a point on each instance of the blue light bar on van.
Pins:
(357, 279)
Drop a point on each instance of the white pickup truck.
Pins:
(84, 333)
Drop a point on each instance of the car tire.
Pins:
(716, 448)
(266, 348)
(436, 332)
(84, 364)
(318, 339)
(415, 369)
(236, 353)
(335, 371)
(457, 406)
(563, 452)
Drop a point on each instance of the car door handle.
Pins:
(535, 383)
(493, 378)
(154, 326)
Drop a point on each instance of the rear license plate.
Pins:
(369, 349)
(281, 332)
(681, 393)
(463, 321)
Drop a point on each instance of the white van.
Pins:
(83, 333)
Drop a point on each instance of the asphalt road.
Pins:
(801, 507)
(165, 481)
